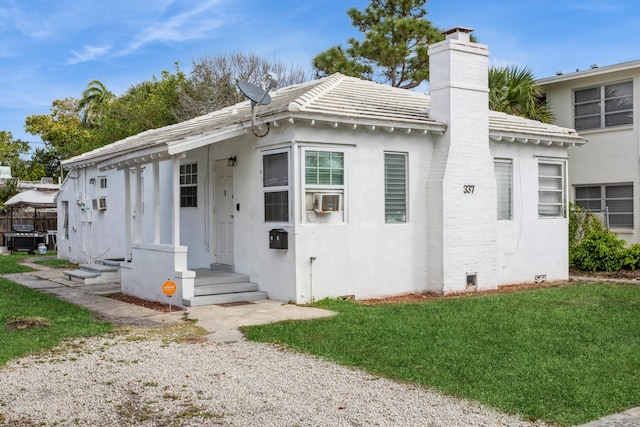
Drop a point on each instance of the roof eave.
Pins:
(548, 140)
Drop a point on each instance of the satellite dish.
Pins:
(257, 95)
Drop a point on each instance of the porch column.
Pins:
(156, 202)
(127, 210)
(138, 211)
(175, 213)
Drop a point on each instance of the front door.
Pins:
(223, 212)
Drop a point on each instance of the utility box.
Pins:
(278, 238)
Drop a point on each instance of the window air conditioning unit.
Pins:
(326, 202)
(102, 203)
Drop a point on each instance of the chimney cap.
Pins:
(458, 33)
(457, 30)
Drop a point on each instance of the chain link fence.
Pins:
(584, 217)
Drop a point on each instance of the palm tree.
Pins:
(513, 90)
(94, 98)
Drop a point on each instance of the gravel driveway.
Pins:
(118, 380)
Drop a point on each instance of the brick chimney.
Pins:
(462, 214)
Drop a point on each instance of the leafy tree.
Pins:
(394, 49)
(211, 84)
(11, 150)
(7, 191)
(48, 159)
(513, 90)
(63, 129)
(93, 102)
(144, 106)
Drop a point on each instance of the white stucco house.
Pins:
(605, 174)
(339, 187)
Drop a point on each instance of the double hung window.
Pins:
(189, 185)
(551, 195)
(604, 106)
(324, 181)
(275, 176)
(614, 199)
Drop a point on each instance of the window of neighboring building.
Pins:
(604, 106)
(189, 185)
(275, 175)
(395, 188)
(504, 173)
(551, 196)
(616, 199)
(102, 182)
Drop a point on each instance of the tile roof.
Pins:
(336, 99)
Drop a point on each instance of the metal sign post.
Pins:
(169, 288)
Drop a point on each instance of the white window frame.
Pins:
(389, 217)
(544, 189)
(508, 198)
(102, 182)
(603, 200)
(338, 217)
(601, 103)
(277, 188)
(65, 219)
(188, 176)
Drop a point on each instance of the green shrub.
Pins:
(599, 250)
(632, 257)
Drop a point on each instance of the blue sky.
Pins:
(52, 50)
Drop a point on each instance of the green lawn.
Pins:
(19, 305)
(567, 354)
(10, 263)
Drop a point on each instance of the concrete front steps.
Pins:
(222, 287)
(101, 272)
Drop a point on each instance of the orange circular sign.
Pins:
(169, 288)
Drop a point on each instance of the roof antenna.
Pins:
(258, 96)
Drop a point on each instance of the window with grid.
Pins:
(324, 168)
(275, 175)
(504, 173)
(551, 197)
(616, 199)
(189, 185)
(395, 188)
(604, 106)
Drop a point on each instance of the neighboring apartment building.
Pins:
(604, 175)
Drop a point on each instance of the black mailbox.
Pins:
(278, 239)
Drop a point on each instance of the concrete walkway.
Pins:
(221, 322)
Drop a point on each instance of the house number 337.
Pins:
(468, 189)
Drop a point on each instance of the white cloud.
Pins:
(89, 53)
(191, 25)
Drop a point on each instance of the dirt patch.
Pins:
(632, 275)
(27, 323)
(417, 297)
(153, 305)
